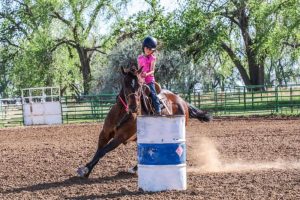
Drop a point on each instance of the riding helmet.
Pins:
(149, 42)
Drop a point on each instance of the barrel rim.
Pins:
(165, 141)
(162, 166)
(164, 116)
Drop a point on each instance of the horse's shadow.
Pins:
(70, 182)
(111, 196)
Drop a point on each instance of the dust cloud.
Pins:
(205, 157)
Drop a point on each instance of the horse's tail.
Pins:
(199, 114)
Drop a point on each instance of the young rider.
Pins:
(147, 62)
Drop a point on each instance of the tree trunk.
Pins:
(85, 68)
(282, 78)
(62, 90)
(255, 66)
(237, 63)
(261, 75)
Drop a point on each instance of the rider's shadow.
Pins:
(70, 182)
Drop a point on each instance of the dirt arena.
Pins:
(227, 159)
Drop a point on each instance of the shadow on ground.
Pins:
(70, 182)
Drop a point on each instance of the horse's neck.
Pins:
(121, 94)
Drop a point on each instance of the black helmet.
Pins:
(150, 42)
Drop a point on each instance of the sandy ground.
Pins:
(227, 159)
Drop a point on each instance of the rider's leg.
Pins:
(154, 98)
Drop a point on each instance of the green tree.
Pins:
(244, 30)
(177, 67)
(4, 68)
(80, 31)
(19, 23)
(142, 23)
(38, 29)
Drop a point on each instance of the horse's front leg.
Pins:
(121, 136)
(87, 169)
(104, 138)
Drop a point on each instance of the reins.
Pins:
(124, 102)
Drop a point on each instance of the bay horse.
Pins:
(120, 124)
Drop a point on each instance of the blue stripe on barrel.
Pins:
(162, 154)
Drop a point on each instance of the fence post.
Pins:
(252, 97)
(199, 101)
(93, 107)
(67, 116)
(23, 122)
(216, 98)
(291, 99)
(276, 98)
(101, 104)
(245, 99)
(61, 110)
(239, 93)
(225, 102)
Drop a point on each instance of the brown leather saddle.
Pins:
(147, 105)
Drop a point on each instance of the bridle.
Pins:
(124, 102)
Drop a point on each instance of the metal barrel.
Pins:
(161, 153)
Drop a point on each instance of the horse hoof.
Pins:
(132, 171)
(83, 171)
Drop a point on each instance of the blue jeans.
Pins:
(154, 97)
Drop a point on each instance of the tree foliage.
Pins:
(22, 37)
(247, 31)
(39, 28)
(80, 20)
(80, 45)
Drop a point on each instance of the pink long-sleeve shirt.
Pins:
(145, 62)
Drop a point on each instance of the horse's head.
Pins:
(131, 88)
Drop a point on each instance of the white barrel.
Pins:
(161, 153)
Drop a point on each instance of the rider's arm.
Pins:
(152, 69)
(139, 62)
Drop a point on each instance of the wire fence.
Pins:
(86, 108)
(238, 101)
(249, 101)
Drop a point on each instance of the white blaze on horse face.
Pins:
(133, 83)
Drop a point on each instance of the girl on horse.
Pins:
(147, 62)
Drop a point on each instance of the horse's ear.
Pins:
(124, 71)
(139, 70)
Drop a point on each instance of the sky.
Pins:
(139, 5)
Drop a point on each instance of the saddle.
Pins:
(147, 105)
